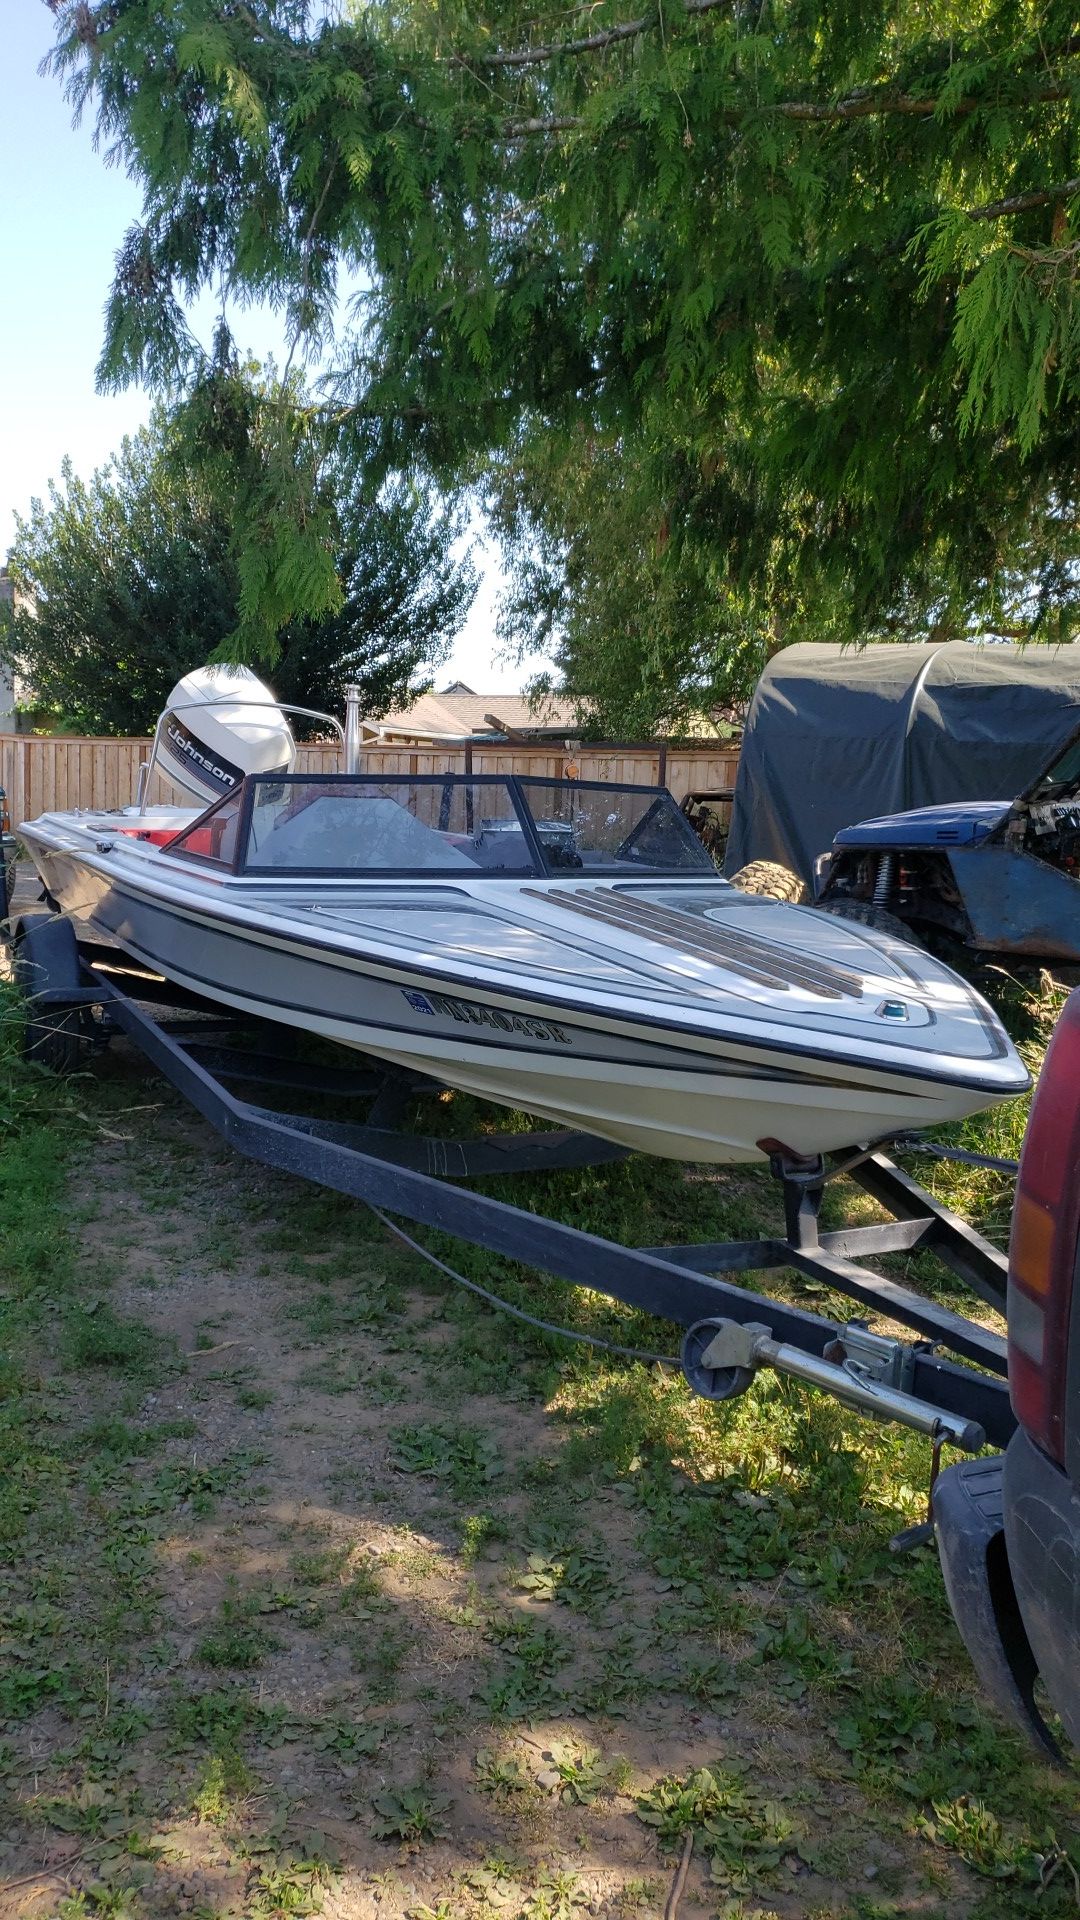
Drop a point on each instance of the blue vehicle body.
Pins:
(953, 826)
(1001, 877)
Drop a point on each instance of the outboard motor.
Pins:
(220, 724)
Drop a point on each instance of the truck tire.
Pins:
(772, 881)
(867, 915)
(47, 955)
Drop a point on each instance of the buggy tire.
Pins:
(772, 881)
(47, 955)
(867, 915)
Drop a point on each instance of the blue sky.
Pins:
(63, 213)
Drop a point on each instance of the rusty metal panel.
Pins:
(1017, 904)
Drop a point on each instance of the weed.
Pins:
(202, 1485)
(216, 1717)
(382, 1388)
(235, 1642)
(576, 1775)
(625, 1676)
(525, 1687)
(100, 1901)
(184, 1429)
(501, 1778)
(347, 1740)
(254, 1399)
(558, 1896)
(968, 1828)
(413, 1815)
(479, 1532)
(96, 1336)
(576, 1576)
(113, 1441)
(321, 1567)
(281, 1891)
(467, 1457)
(382, 1657)
(744, 1835)
(714, 1682)
(634, 1894)
(224, 1781)
(799, 1657)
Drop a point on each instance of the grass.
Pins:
(461, 1595)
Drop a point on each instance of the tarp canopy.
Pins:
(835, 736)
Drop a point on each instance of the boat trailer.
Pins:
(948, 1382)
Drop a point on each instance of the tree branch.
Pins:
(862, 106)
(558, 123)
(590, 43)
(857, 106)
(1023, 202)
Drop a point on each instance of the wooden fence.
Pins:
(45, 775)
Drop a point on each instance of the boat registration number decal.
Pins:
(472, 1015)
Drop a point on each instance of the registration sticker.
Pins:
(471, 1014)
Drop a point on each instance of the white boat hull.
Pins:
(660, 1054)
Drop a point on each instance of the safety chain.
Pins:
(909, 1143)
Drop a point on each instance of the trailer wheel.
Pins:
(771, 880)
(47, 955)
(868, 915)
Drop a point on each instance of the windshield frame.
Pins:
(515, 785)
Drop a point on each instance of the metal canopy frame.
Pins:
(730, 1329)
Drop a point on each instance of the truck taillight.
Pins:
(1043, 1249)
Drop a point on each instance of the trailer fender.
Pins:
(47, 966)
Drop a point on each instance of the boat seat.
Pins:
(495, 850)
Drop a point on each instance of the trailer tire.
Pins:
(772, 881)
(867, 915)
(47, 955)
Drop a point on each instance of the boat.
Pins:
(562, 947)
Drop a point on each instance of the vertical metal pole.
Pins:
(144, 782)
(352, 729)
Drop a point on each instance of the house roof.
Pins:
(458, 711)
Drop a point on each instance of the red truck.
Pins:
(1008, 1527)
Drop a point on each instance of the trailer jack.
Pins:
(721, 1357)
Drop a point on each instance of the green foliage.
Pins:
(744, 1833)
(577, 1576)
(413, 1815)
(577, 1775)
(466, 1457)
(154, 566)
(805, 275)
(500, 1777)
(224, 1780)
(653, 633)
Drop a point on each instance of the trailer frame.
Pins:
(949, 1382)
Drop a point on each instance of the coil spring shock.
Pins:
(883, 881)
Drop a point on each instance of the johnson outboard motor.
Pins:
(220, 724)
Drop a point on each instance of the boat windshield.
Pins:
(610, 829)
(398, 824)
